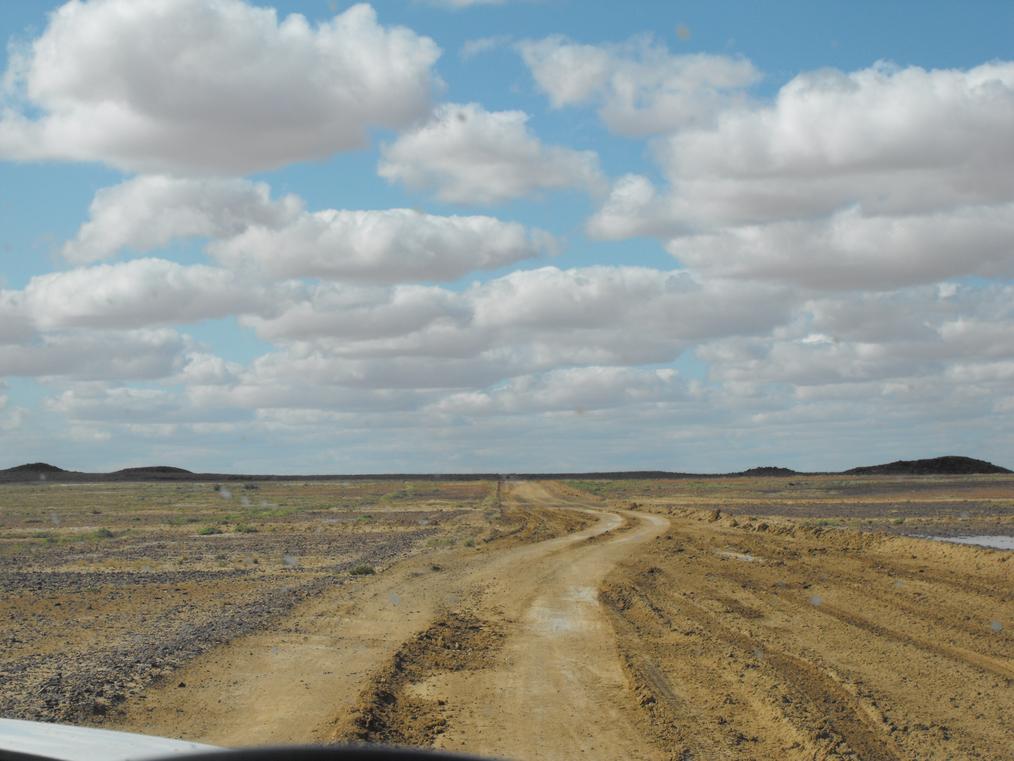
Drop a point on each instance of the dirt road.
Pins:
(581, 629)
(504, 651)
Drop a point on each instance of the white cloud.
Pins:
(634, 207)
(880, 178)
(640, 87)
(204, 369)
(830, 133)
(90, 354)
(479, 45)
(349, 313)
(151, 211)
(874, 337)
(267, 238)
(98, 401)
(231, 90)
(15, 325)
(524, 322)
(850, 250)
(577, 390)
(138, 292)
(466, 154)
(394, 245)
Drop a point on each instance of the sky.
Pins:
(525, 235)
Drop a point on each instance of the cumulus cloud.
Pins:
(232, 89)
(146, 409)
(15, 324)
(640, 87)
(92, 354)
(98, 401)
(151, 211)
(524, 322)
(204, 369)
(828, 125)
(827, 236)
(880, 178)
(850, 250)
(269, 238)
(466, 154)
(393, 245)
(138, 292)
(480, 45)
(873, 337)
(578, 389)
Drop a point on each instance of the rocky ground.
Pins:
(126, 583)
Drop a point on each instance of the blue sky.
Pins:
(546, 235)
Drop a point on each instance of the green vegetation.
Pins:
(209, 530)
(362, 569)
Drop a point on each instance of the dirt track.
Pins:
(337, 668)
(642, 635)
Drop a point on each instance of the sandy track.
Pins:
(555, 689)
(505, 651)
(749, 641)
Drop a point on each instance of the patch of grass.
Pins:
(595, 487)
(104, 533)
(243, 528)
(180, 520)
(273, 512)
(209, 530)
(362, 569)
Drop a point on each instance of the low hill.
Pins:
(34, 467)
(769, 470)
(951, 465)
(152, 471)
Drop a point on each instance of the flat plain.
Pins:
(788, 617)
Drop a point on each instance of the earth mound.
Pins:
(950, 465)
(769, 470)
(34, 467)
(152, 471)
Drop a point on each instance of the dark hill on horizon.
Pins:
(769, 470)
(40, 471)
(950, 465)
(35, 467)
(151, 471)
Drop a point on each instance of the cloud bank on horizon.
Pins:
(840, 247)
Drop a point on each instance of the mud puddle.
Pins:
(993, 541)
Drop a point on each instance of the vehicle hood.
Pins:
(24, 740)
